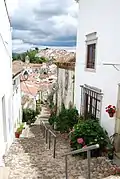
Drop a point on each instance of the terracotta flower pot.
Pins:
(17, 134)
(111, 114)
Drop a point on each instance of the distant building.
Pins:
(65, 81)
(16, 99)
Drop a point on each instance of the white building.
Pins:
(65, 81)
(16, 99)
(6, 121)
(98, 60)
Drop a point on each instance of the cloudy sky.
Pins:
(43, 23)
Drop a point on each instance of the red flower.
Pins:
(113, 111)
(110, 109)
(109, 106)
(80, 140)
(118, 170)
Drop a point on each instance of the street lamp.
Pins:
(24, 76)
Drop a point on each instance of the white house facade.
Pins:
(97, 71)
(6, 127)
(65, 81)
(16, 98)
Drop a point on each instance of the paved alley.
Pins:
(30, 158)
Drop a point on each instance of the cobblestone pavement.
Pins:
(30, 158)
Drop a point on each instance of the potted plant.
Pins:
(18, 132)
(111, 110)
(110, 151)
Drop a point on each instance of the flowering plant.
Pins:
(115, 170)
(86, 133)
(111, 110)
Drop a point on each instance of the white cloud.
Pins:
(43, 23)
(19, 46)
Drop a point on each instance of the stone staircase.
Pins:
(30, 158)
(4, 172)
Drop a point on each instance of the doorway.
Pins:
(4, 119)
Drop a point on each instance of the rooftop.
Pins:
(57, 54)
(62, 58)
(17, 67)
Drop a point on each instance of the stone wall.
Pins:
(65, 93)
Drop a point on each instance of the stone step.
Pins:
(112, 177)
(45, 116)
(4, 172)
(80, 177)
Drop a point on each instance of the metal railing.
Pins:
(48, 134)
(86, 149)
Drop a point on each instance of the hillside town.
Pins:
(60, 109)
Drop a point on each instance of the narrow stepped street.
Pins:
(30, 158)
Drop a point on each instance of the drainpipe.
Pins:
(73, 87)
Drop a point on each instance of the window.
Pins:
(91, 99)
(91, 56)
(91, 41)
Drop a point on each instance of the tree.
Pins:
(32, 56)
(37, 49)
(16, 56)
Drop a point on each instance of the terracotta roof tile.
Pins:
(29, 89)
(17, 67)
(58, 54)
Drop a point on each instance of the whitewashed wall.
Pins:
(17, 107)
(30, 103)
(6, 127)
(103, 18)
(65, 87)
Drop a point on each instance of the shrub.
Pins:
(66, 119)
(29, 116)
(86, 133)
(52, 119)
(38, 109)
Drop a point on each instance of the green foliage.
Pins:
(38, 110)
(91, 132)
(16, 56)
(51, 105)
(20, 128)
(65, 120)
(36, 48)
(50, 101)
(43, 59)
(29, 116)
(38, 107)
(32, 56)
(52, 119)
